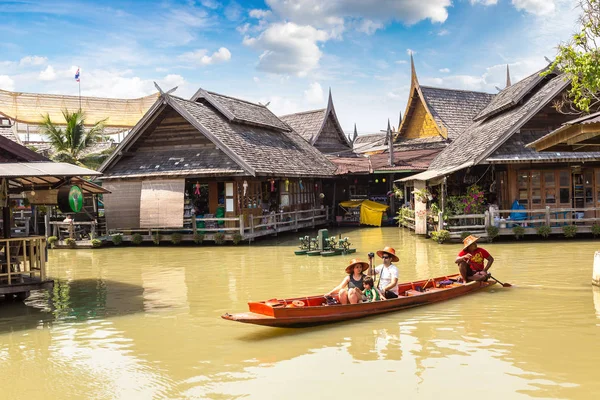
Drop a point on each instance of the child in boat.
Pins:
(471, 259)
(371, 293)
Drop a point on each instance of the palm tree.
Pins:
(74, 143)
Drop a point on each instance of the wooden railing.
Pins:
(22, 257)
(548, 216)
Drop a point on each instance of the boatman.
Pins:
(387, 282)
(470, 261)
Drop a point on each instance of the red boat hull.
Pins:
(283, 313)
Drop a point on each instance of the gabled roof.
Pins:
(29, 108)
(310, 124)
(241, 110)
(7, 132)
(579, 134)
(511, 95)
(370, 142)
(246, 148)
(484, 137)
(14, 152)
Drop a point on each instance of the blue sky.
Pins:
(286, 52)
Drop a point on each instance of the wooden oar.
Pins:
(503, 284)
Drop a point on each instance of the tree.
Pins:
(579, 60)
(74, 143)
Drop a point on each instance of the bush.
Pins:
(116, 239)
(219, 238)
(156, 238)
(492, 232)
(198, 238)
(237, 238)
(463, 235)
(52, 241)
(440, 236)
(544, 231)
(72, 243)
(570, 231)
(595, 230)
(137, 239)
(176, 238)
(96, 243)
(519, 231)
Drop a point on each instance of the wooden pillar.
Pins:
(420, 211)
(242, 225)
(392, 198)
(6, 222)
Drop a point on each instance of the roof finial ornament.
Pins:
(507, 76)
(162, 93)
(399, 121)
(413, 71)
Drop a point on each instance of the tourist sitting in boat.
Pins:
(370, 292)
(387, 282)
(470, 261)
(350, 290)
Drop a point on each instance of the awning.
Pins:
(43, 168)
(371, 212)
(579, 135)
(434, 173)
(351, 203)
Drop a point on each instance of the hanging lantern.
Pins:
(287, 184)
(383, 180)
(272, 185)
(322, 195)
(245, 185)
(376, 180)
(197, 190)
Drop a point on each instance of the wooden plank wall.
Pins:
(329, 140)
(122, 205)
(420, 123)
(161, 203)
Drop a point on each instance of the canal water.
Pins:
(144, 322)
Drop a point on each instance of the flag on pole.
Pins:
(77, 75)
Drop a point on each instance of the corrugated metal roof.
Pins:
(26, 169)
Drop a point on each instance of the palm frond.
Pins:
(55, 135)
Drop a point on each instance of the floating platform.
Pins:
(313, 253)
(300, 252)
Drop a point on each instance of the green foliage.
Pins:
(518, 231)
(464, 234)
(398, 193)
(137, 239)
(544, 231)
(455, 205)
(176, 238)
(440, 236)
(52, 241)
(198, 238)
(422, 195)
(236, 238)
(96, 243)
(72, 243)
(156, 238)
(435, 209)
(492, 232)
(72, 143)
(569, 231)
(402, 214)
(117, 239)
(219, 238)
(578, 59)
(473, 200)
(596, 230)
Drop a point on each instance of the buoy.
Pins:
(596, 271)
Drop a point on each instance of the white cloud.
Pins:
(280, 105)
(401, 62)
(7, 83)
(443, 32)
(213, 5)
(288, 48)
(394, 96)
(258, 14)
(484, 2)
(201, 56)
(537, 7)
(369, 27)
(33, 60)
(243, 29)
(233, 11)
(444, 70)
(314, 93)
(410, 52)
(256, 79)
(48, 74)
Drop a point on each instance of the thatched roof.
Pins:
(29, 108)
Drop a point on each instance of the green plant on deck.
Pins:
(71, 243)
(96, 243)
(569, 231)
(440, 236)
(198, 238)
(544, 231)
(344, 244)
(518, 231)
(331, 242)
(464, 234)
(52, 241)
(595, 229)
(402, 215)
(156, 238)
(304, 242)
(219, 238)
(116, 239)
(176, 238)
(492, 232)
(236, 238)
(137, 239)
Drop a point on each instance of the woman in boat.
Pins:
(387, 282)
(470, 261)
(350, 290)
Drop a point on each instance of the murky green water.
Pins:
(141, 323)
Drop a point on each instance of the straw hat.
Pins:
(469, 240)
(356, 261)
(390, 251)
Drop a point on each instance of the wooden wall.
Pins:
(329, 140)
(122, 205)
(161, 203)
(420, 123)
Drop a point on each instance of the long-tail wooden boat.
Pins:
(315, 310)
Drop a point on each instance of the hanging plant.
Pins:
(422, 195)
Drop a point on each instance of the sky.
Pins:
(288, 53)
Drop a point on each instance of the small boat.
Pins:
(316, 310)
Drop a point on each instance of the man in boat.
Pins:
(470, 261)
(387, 282)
